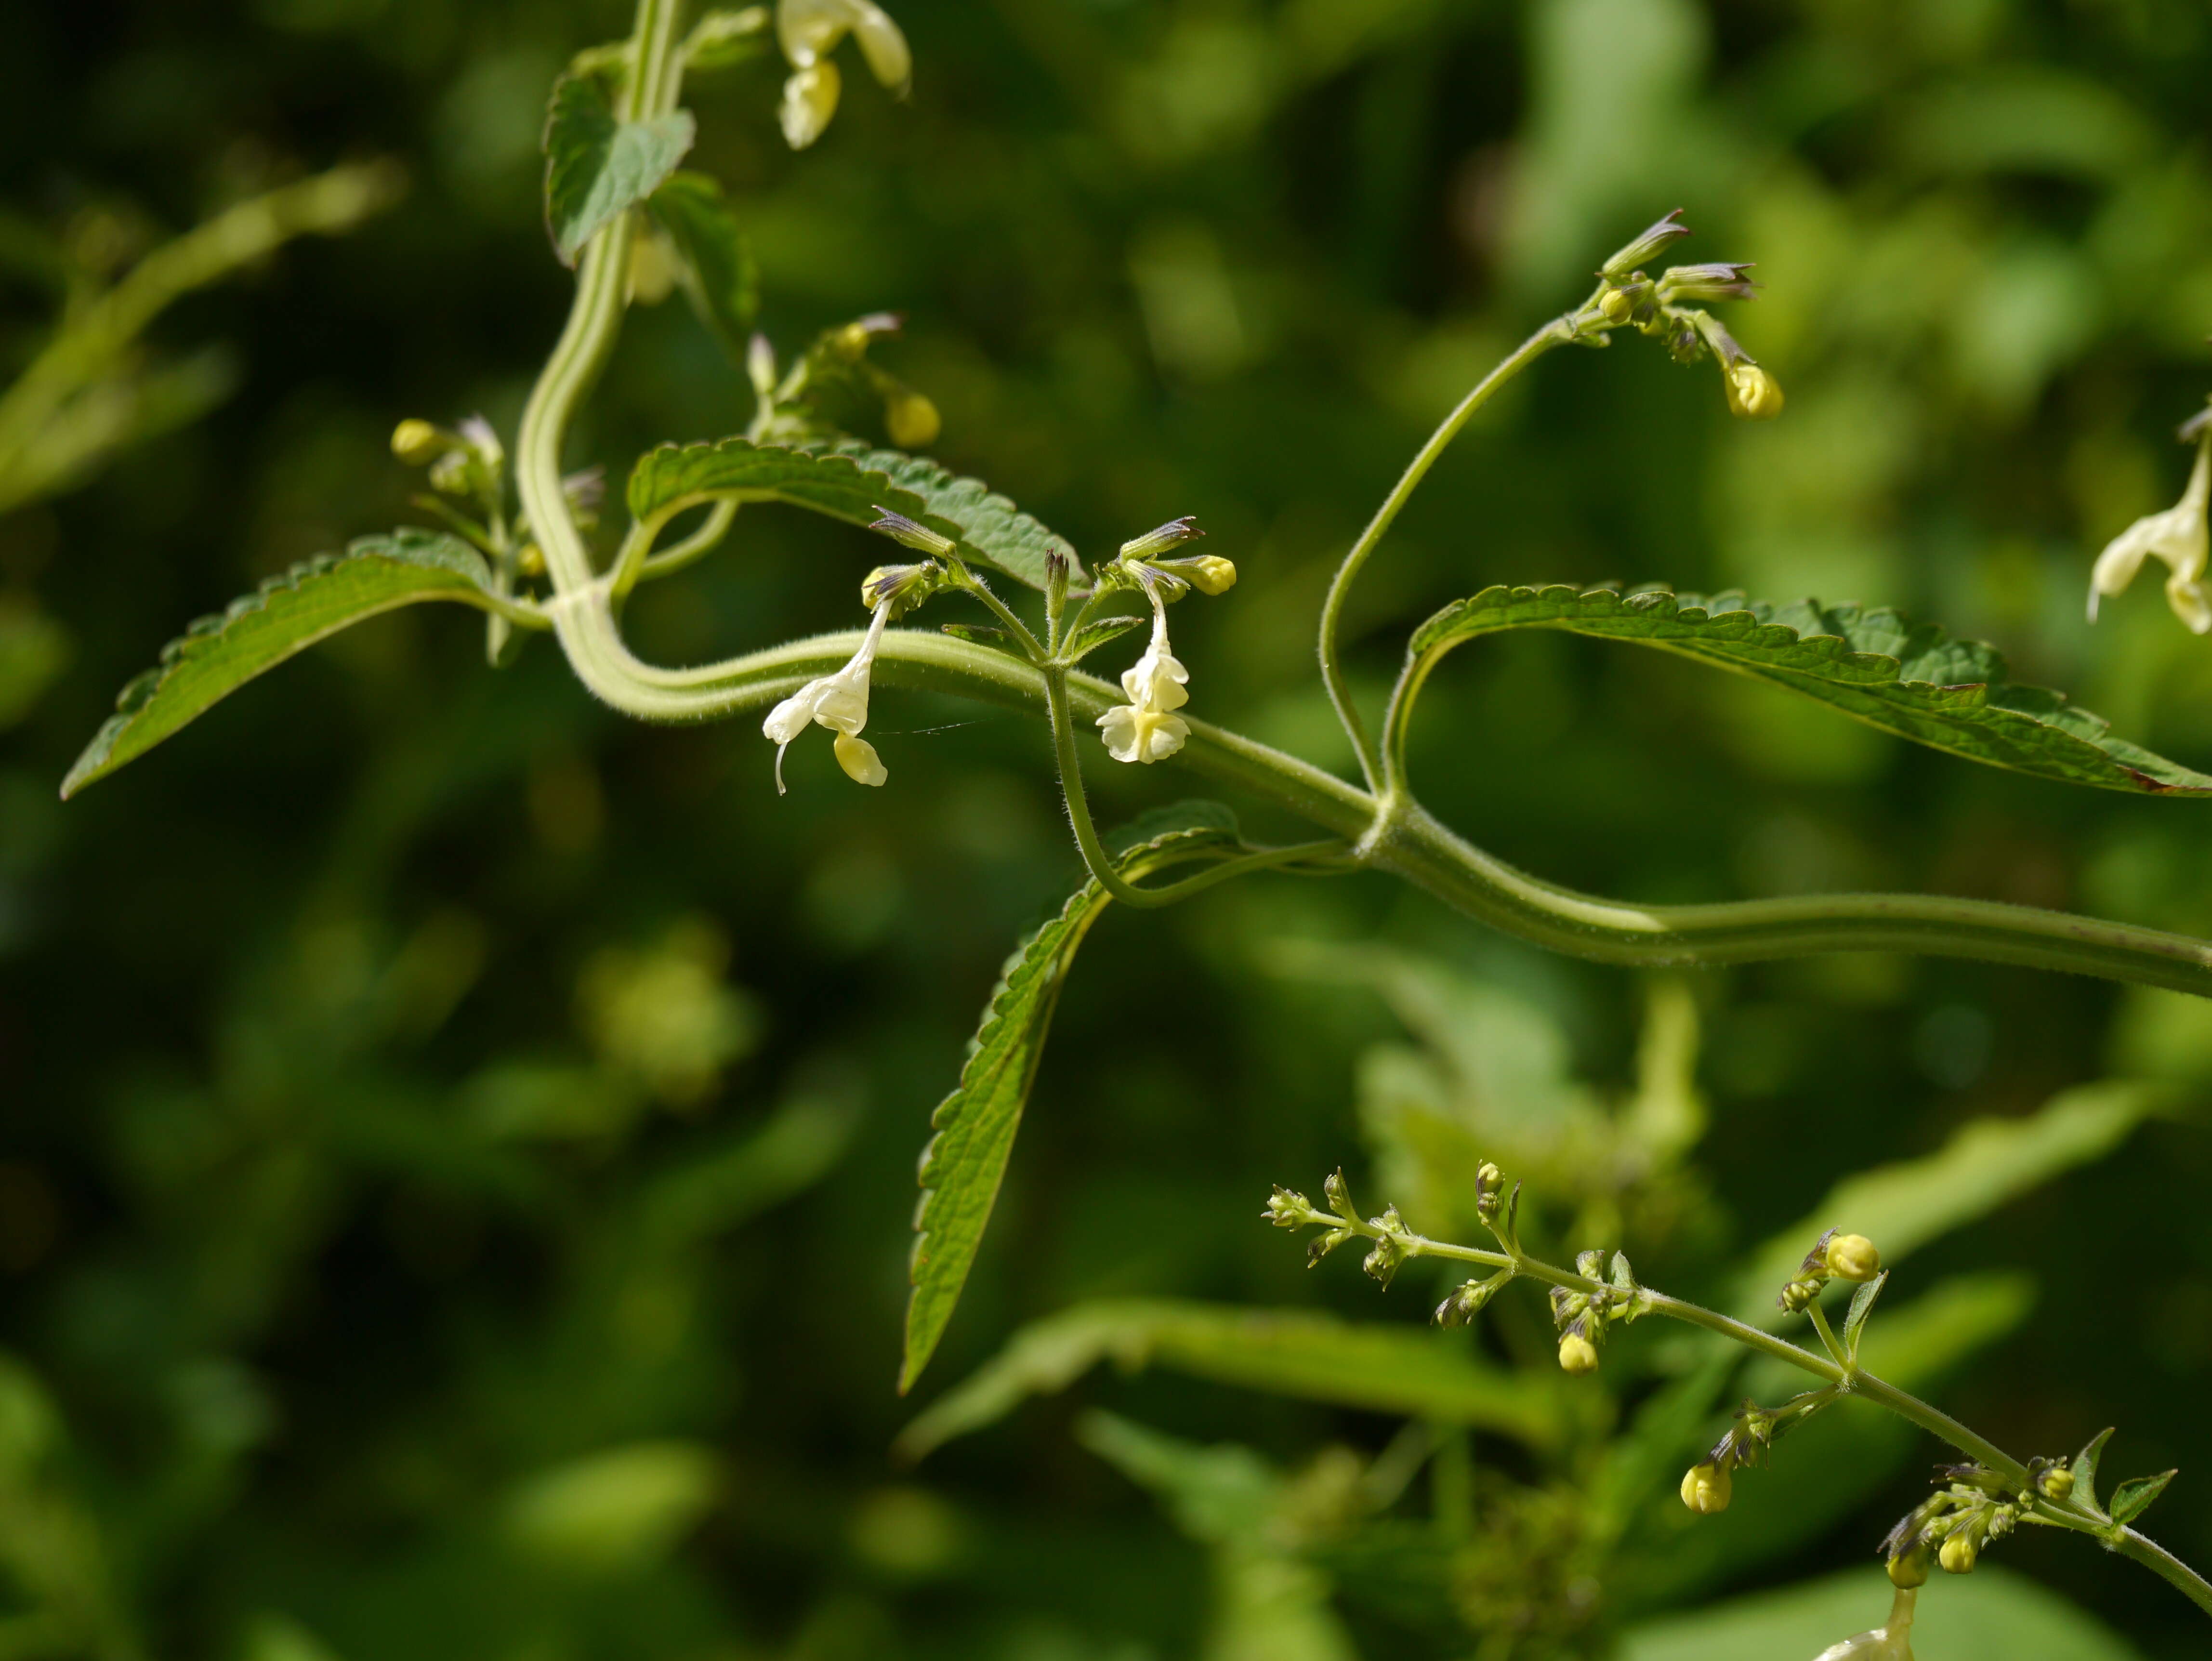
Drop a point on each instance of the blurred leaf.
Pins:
(280, 1638)
(746, 1173)
(975, 1126)
(851, 482)
(616, 1510)
(1902, 1206)
(2021, 118)
(2134, 1497)
(721, 278)
(1990, 1615)
(1268, 1604)
(597, 166)
(1316, 1358)
(1906, 678)
(287, 614)
(34, 649)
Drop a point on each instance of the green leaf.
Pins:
(318, 597)
(975, 1126)
(2133, 1498)
(1906, 678)
(596, 166)
(2085, 1464)
(720, 277)
(1902, 1206)
(849, 481)
(1098, 632)
(1862, 1306)
(1314, 1358)
(1989, 1614)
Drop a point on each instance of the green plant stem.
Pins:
(1394, 833)
(1412, 844)
(971, 584)
(1557, 332)
(2074, 1514)
(1101, 863)
(636, 563)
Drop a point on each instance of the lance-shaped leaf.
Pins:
(596, 165)
(2133, 1497)
(975, 1126)
(851, 482)
(1907, 679)
(1315, 1358)
(720, 277)
(287, 614)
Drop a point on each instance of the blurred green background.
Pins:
(458, 1148)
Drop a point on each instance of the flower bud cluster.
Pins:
(834, 385)
(1834, 1256)
(465, 460)
(1952, 1525)
(1706, 1488)
(1581, 1314)
(1666, 310)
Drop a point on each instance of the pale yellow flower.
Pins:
(840, 702)
(1146, 728)
(2179, 537)
(808, 31)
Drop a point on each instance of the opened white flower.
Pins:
(1146, 728)
(840, 702)
(2177, 536)
(810, 30)
(1890, 1642)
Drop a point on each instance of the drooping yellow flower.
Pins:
(840, 702)
(808, 31)
(2179, 537)
(1146, 728)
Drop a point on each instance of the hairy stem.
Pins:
(1557, 332)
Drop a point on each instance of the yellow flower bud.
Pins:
(417, 442)
(1209, 574)
(1751, 392)
(1614, 304)
(531, 562)
(1853, 1258)
(911, 419)
(1577, 1355)
(2057, 1483)
(1957, 1554)
(1706, 1488)
(1910, 1568)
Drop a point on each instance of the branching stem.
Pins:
(2074, 1514)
